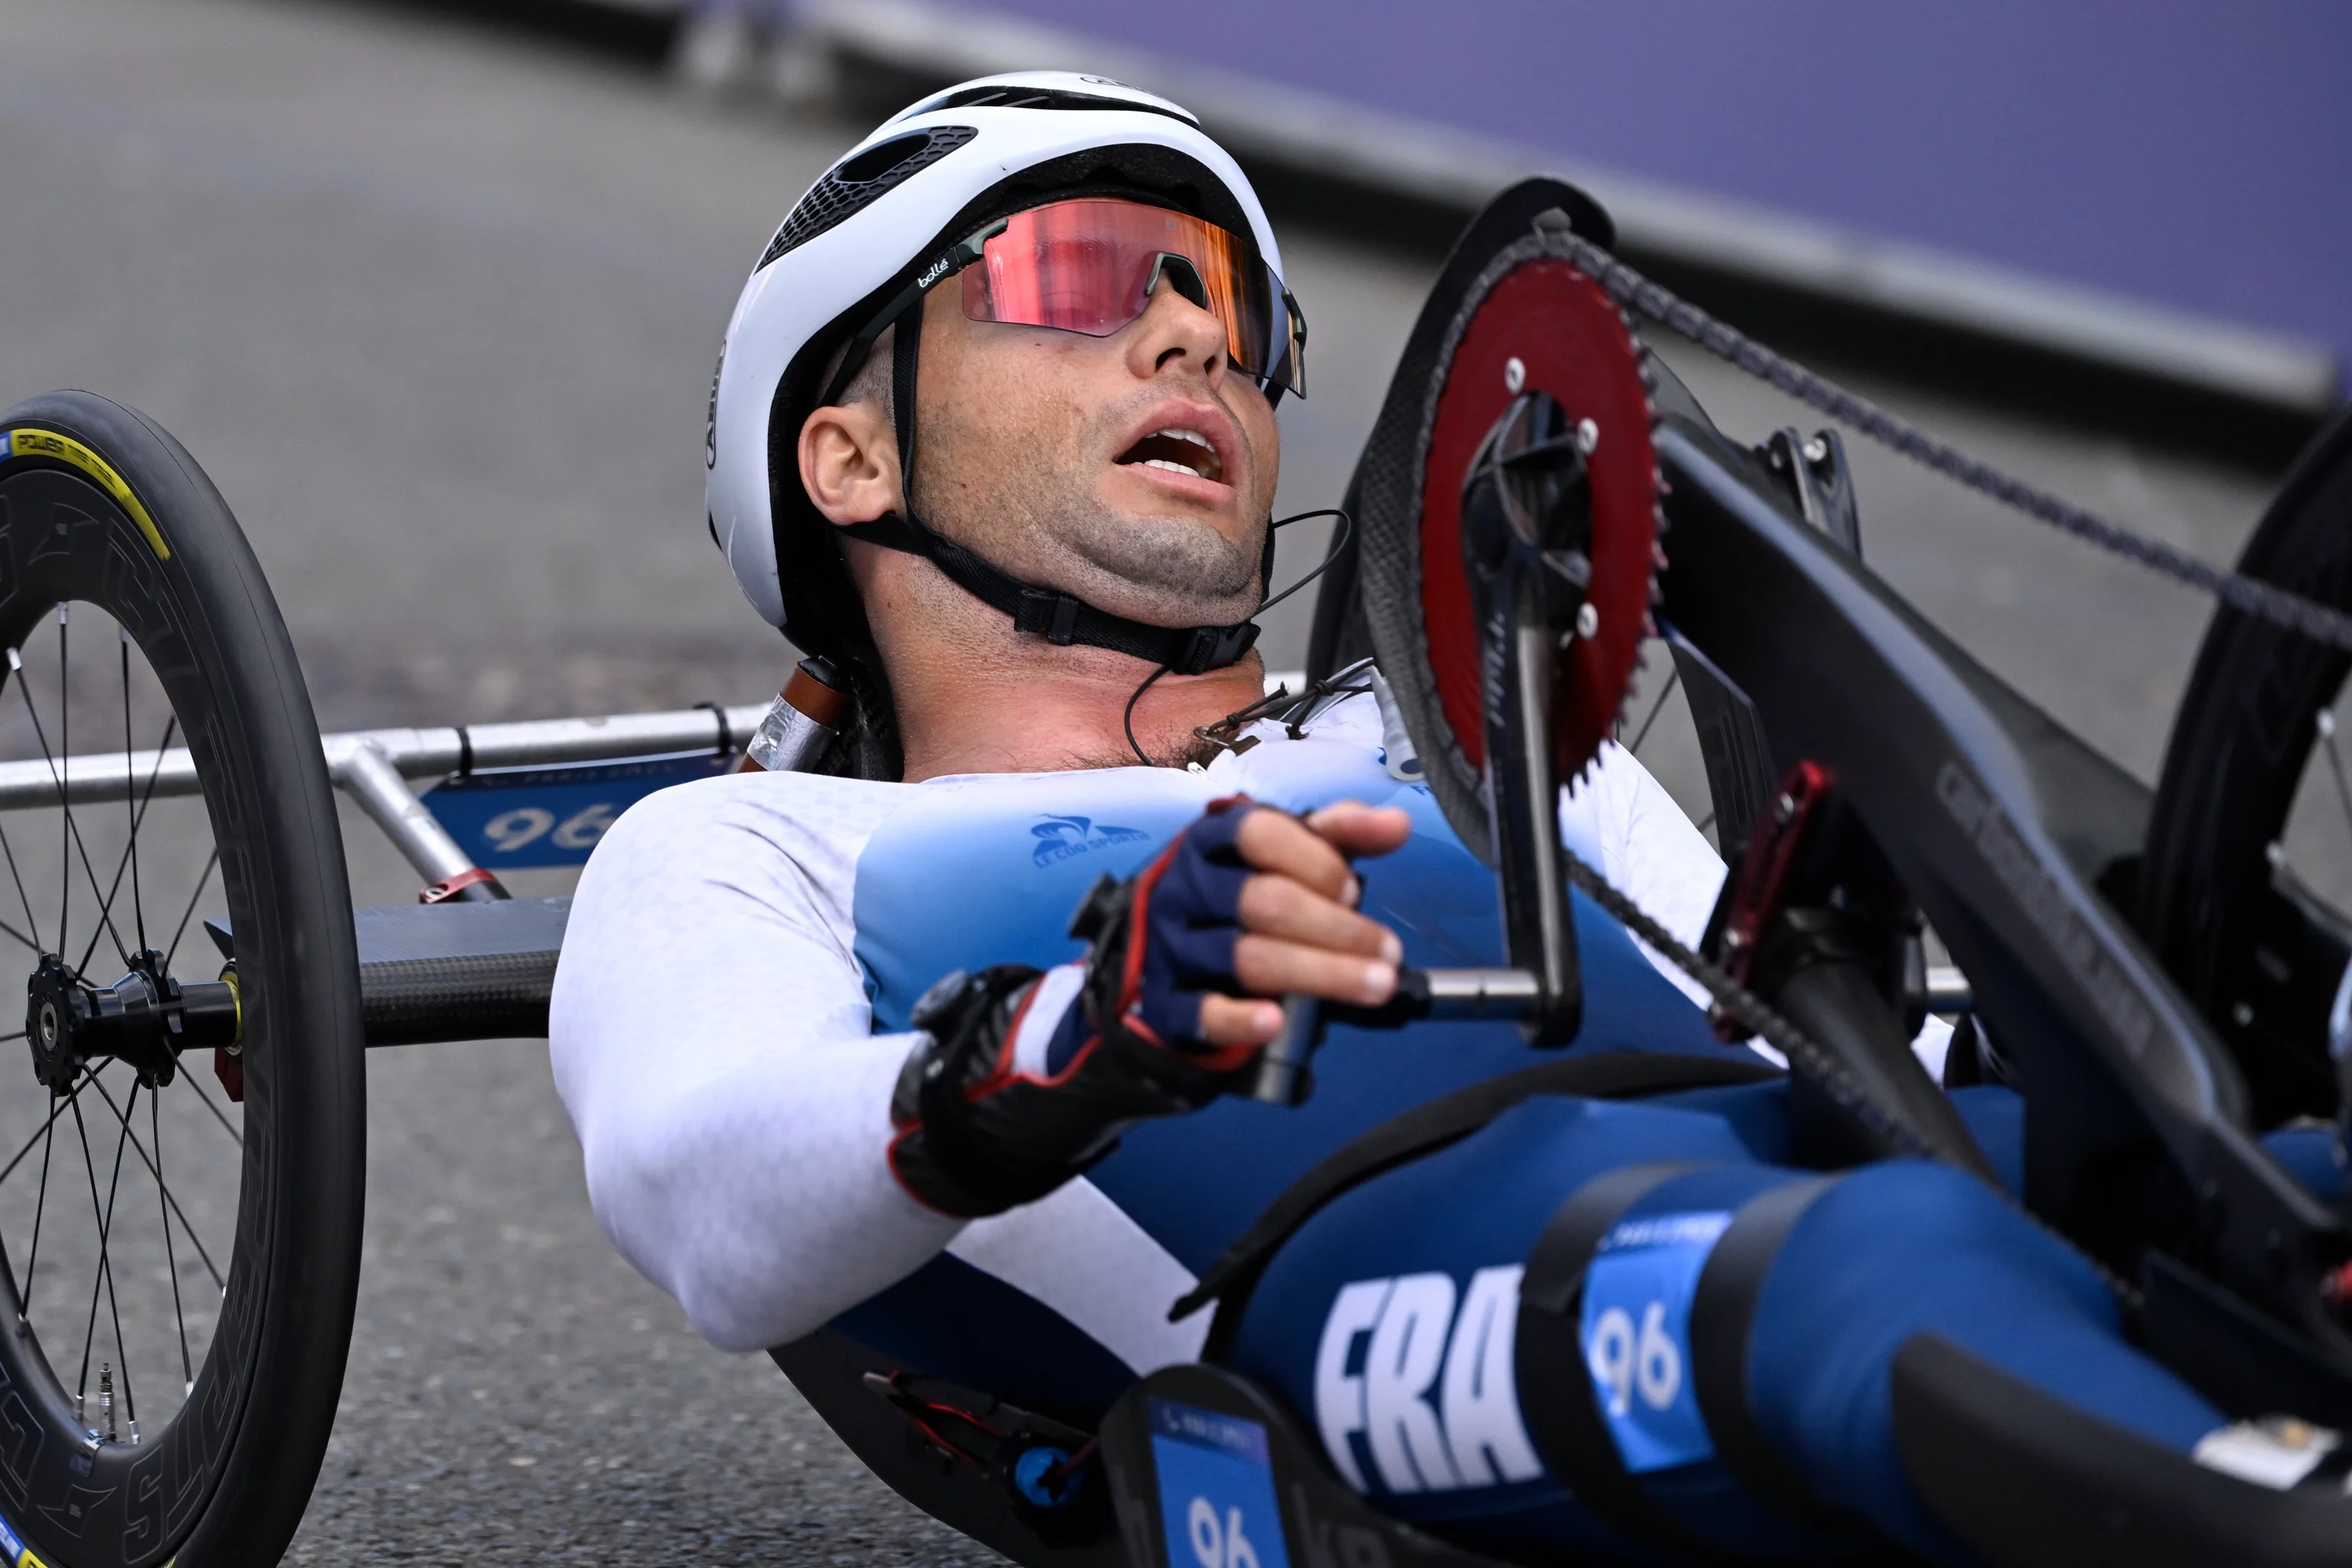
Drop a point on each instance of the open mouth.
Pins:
(1177, 451)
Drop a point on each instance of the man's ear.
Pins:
(849, 462)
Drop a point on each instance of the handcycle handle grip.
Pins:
(1283, 1076)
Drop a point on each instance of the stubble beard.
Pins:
(1165, 570)
(1189, 570)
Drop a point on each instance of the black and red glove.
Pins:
(979, 1130)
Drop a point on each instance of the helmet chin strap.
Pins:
(1060, 618)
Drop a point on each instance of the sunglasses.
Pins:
(1090, 265)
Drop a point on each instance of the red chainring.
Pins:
(1570, 341)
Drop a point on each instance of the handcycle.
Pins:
(2144, 965)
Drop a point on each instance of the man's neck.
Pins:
(973, 695)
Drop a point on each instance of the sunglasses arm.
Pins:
(944, 267)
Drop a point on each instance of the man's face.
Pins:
(1135, 471)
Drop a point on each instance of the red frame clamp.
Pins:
(1762, 879)
(448, 888)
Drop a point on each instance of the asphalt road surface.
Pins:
(437, 308)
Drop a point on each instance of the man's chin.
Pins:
(1151, 591)
(1162, 564)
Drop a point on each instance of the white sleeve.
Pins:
(1623, 822)
(710, 1032)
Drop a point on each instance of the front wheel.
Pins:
(181, 1137)
(2249, 852)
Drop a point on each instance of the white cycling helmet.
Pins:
(850, 251)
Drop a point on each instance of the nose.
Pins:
(1176, 326)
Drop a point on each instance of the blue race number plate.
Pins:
(1636, 1330)
(508, 817)
(1216, 1488)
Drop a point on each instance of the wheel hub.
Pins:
(146, 1018)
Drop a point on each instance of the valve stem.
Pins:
(106, 1398)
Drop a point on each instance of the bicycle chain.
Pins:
(2247, 595)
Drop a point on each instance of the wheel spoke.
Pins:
(189, 913)
(105, 1276)
(15, 666)
(170, 1258)
(106, 1257)
(138, 820)
(113, 1307)
(49, 1136)
(30, 923)
(105, 914)
(130, 809)
(69, 837)
(219, 1114)
(64, 749)
(56, 1108)
(1641, 734)
(193, 1239)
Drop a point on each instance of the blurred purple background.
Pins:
(2192, 153)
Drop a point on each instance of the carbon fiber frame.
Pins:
(2003, 826)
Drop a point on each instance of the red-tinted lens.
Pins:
(1087, 266)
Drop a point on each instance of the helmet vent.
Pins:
(855, 182)
(1001, 95)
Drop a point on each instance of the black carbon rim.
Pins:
(149, 1329)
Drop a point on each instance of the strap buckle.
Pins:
(1213, 647)
(1053, 616)
(1186, 650)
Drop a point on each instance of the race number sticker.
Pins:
(508, 817)
(1216, 1488)
(1635, 1330)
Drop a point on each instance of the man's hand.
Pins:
(1300, 930)
(1245, 899)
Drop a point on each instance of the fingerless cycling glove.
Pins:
(995, 1109)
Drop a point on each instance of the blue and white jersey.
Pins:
(730, 1015)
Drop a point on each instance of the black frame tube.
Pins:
(2000, 822)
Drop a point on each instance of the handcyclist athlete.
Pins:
(994, 433)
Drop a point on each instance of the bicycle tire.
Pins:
(2239, 745)
(227, 1480)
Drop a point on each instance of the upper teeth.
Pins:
(1192, 435)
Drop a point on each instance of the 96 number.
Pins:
(1626, 1361)
(511, 830)
(1218, 1543)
